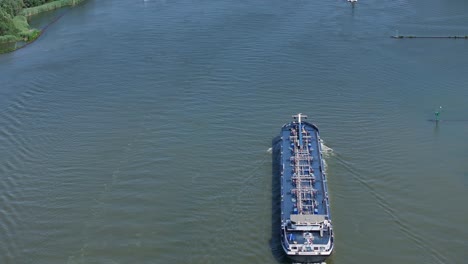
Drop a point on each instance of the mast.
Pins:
(300, 130)
(299, 118)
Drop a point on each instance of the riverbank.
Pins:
(24, 34)
(49, 7)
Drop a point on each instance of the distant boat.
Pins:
(306, 226)
(352, 1)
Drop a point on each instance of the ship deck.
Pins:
(313, 188)
(307, 233)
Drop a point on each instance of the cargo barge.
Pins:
(306, 226)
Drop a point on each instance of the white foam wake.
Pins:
(326, 150)
(326, 153)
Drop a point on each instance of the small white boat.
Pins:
(352, 1)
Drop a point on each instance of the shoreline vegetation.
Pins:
(14, 26)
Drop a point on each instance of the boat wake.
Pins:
(391, 211)
(326, 150)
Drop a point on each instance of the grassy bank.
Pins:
(23, 31)
(14, 26)
(9, 38)
(49, 6)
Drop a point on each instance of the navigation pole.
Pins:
(437, 114)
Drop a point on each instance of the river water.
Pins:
(139, 131)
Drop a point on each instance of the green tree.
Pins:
(6, 24)
(32, 3)
(12, 7)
